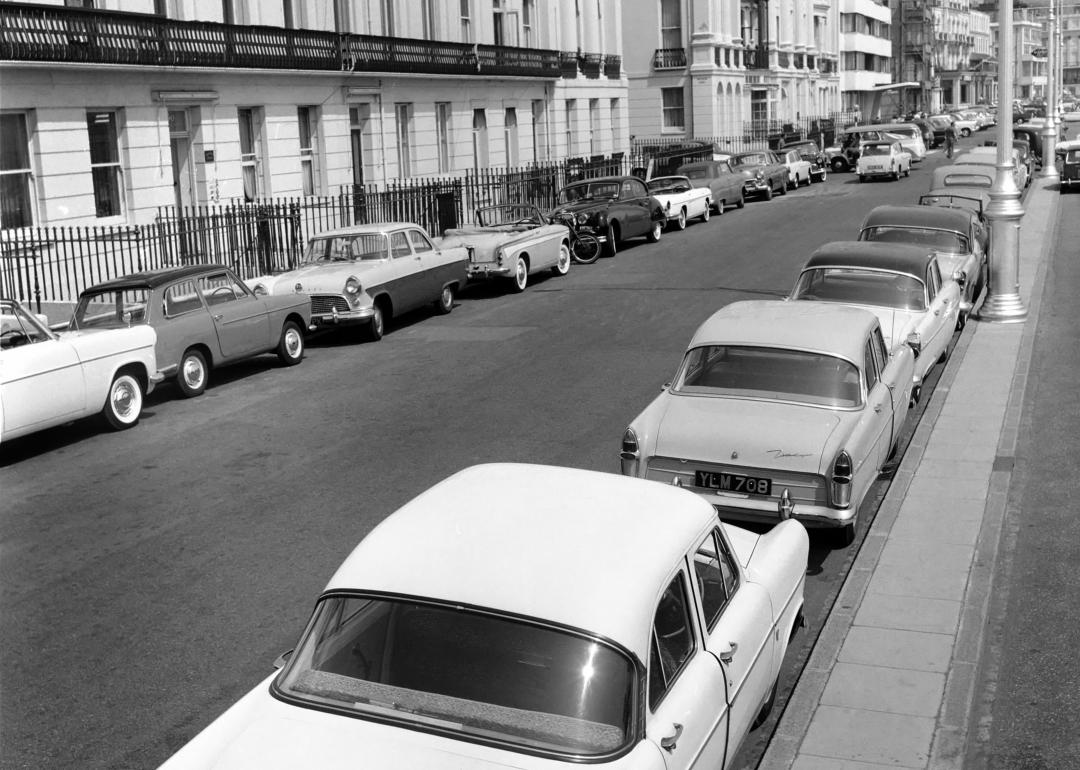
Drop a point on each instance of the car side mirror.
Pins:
(960, 277)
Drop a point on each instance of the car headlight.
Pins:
(260, 290)
(760, 176)
(353, 289)
(582, 219)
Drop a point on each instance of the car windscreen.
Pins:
(1073, 156)
(858, 286)
(694, 172)
(669, 185)
(749, 160)
(345, 248)
(939, 240)
(111, 309)
(586, 190)
(508, 215)
(481, 675)
(772, 373)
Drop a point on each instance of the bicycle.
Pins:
(584, 246)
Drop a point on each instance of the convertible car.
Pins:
(613, 208)
(779, 408)
(957, 235)
(680, 199)
(652, 638)
(204, 316)
(48, 379)
(900, 283)
(512, 242)
(365, 275)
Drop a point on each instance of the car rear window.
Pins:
(111, 309)
(771, 373)
(479, 674)
(857, 286)
(939, 240)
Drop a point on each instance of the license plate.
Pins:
(732, 482)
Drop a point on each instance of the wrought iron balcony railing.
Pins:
(669, 58)
(568, 64)
(591, 64)
(613, 66)
(53, 33)
(756, 57)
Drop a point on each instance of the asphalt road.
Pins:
(149, 578)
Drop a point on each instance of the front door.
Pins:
(240, 318)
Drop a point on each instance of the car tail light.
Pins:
(840, 481)
(630, 454)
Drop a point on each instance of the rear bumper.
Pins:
(749, 509)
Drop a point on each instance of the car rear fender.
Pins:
(778, 564)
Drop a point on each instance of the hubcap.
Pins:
(522, 272)
(447, 297)
(292, 343)
(193, 372)
(564, 259)
(124, 400)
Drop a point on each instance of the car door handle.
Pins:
(218, 317)
(668, 741)
(877, 408)
(728, 653)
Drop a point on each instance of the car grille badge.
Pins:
(734, 455)
(299, 287)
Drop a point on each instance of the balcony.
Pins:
(756, 57)
(827, 66)
(568, 64)
(76, 35)
(613, 66)
(669, 58)
(591, 64)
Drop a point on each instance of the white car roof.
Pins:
(798, 325)
(586, 549)
(373, 227)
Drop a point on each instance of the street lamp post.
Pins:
(1003, 303)
(1049, 133)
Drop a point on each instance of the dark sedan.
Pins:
(613, 208)
(819, 162)
(763, 173)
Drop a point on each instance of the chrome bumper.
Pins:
(342, 318)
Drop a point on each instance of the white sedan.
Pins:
(779, 408)
(799, 169)
(680, 200)
(900, 283)
(526, 616)
(49, 379)
(887, 158)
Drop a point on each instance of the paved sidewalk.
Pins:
(891, 680)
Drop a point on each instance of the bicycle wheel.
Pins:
(586, 249)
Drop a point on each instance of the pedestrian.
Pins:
(950, 138)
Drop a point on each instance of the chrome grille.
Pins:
(805, 488)
(328, 303)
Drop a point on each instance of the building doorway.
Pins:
(183, 170)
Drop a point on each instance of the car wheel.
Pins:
(944, 355)
(791, 185)
(809, 178)
(767, 706)
(658, 229)
(681, 221)
(768, 193)
(708, 211)
(907, 171)
(562, 266)
(965, 132)
(377, 325)
(123, 405)
(193, 373)
(445, 303)
(961, 321)
(611, 246)
(742, 201)
(290, 347)
(520, 278)
(824, 175)
(783, 188)
(838, 164)
(896, 174)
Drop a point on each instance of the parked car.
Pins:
(799, 169)
(926, 130)
(900, 283)
(910, 137)
(987, 156)
(885, 158)
(962, 176)
(680, 199)
(815, 156)
(762, 173)
(204, 316)
(368, 274)
(435, 645)
(723, 182)
(48, 379)
(941, 125)
(778, 407)
(1033, 135)
(1023, 151)
(958, 236)
(1070, 170)
(965, 124)
(843, 157)
(614, 208)
(512, 242)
